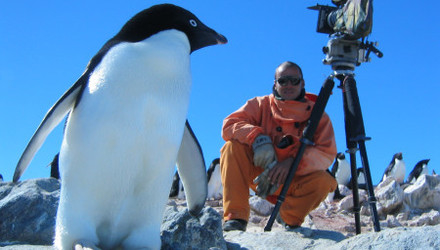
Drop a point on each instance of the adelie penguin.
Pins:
(341, 169)
(361, 180)
(215, 187)
(54, 169)
(396, 169)
(127, 119)
(420, 168)
(342, 173)
(177, 190)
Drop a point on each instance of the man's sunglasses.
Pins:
(284, 80)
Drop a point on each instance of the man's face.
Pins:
(288, 77)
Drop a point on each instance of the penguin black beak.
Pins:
(221, 39)
(206, 37)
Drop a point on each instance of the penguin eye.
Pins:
(193, 22)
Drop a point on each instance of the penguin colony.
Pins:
(396, 170)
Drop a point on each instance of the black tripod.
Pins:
(343, 55)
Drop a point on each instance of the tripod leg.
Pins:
(356, 133)
(371, 198)
(351, 149)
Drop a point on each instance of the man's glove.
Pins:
(264, 153)
(264, 186)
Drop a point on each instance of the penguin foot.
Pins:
(84, 245)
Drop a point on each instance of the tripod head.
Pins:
(344, 55)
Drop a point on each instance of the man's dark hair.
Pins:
(289, 64)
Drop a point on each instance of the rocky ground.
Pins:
(409, 219)
(326, 218)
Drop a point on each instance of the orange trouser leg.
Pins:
(304, 195)
(237, 173)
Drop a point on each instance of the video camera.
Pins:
(350, 21)
(351, 18)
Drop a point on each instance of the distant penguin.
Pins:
(54, 169)
(177, 190)
(127, 119)
(420, 168)
(434, 173)
(341, 169)
(215, 187)
(342, 173)
(361, 180)
(396, 169)
(1, 178)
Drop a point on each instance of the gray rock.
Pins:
(426, 219)
(302, 238)
(260, 206)
(394, 239)
(180, 230)
(389, 195)
(346, 204)
(28, 210)
(424, 193)
(390, 239)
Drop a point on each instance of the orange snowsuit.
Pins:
(277, 119)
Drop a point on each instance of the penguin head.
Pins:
(166, 17)
(423, 162)
(398, 156)
(340, 156)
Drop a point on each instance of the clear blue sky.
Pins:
(46, 45)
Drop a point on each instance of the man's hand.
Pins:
(264, 153)
(264, 186)
(272, 177)
(279, 172)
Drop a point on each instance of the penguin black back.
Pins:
(211, 168)
(417, 171)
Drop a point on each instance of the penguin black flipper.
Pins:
(53, 117)
(68, 101)
(413, 175)
(388, 169)
(334, 169)
(192, 171)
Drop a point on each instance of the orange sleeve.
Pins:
(244, 124)
(321, 155)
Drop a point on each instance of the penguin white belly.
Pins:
(343, 174)
(215, 187)
(121, 142)
(424, 170)
(399, 171)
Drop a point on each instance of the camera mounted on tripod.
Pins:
(347, 25)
